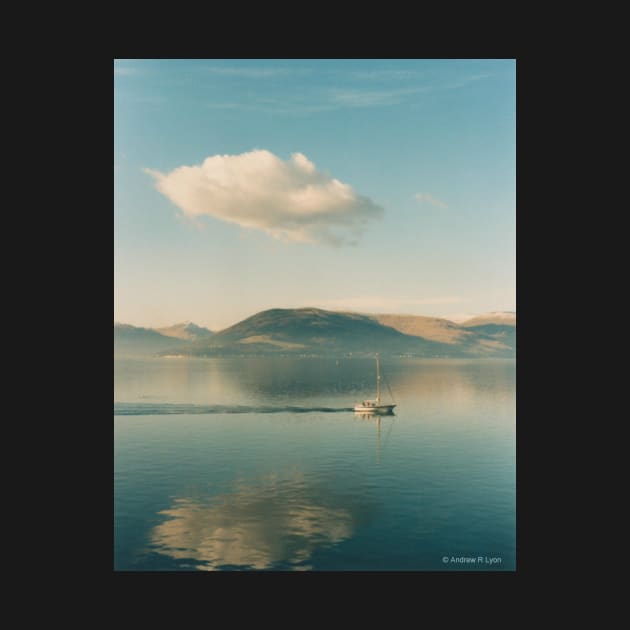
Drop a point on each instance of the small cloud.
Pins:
(289, 200)
(427, 198)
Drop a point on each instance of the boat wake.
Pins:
(159, 409)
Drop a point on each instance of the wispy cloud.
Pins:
(268, 106)
(426, 198)
(323, 101)
(371, 98)
(289, 200)
(124, 71)
(333, 98)
(387, 74)
(463, 81)
(123, 67)
(255, 72)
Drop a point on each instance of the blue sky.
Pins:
(368, 185)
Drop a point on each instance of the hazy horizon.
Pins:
(374, 186)
(456, 318)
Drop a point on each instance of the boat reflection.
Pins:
(376, 417)
(373, 413)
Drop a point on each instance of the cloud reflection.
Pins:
(272, 522)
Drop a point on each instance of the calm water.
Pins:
(260, 464)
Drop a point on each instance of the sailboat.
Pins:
(375, 406)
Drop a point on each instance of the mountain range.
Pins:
(313, 331)
(185, 330)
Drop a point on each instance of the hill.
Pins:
(433, 328)
(185, 330)
(495, 337)
(131, 341)
(467, 339)
(500, 318)
(313, 331)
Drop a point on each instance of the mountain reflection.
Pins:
(266, 380)
(272, 522)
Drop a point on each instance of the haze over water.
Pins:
(260, 464)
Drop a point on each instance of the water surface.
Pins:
(261, 464)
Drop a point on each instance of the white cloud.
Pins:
(289, 200)
(427, 198)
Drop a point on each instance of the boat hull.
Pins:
(375, 409)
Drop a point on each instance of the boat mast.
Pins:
(378, 381)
